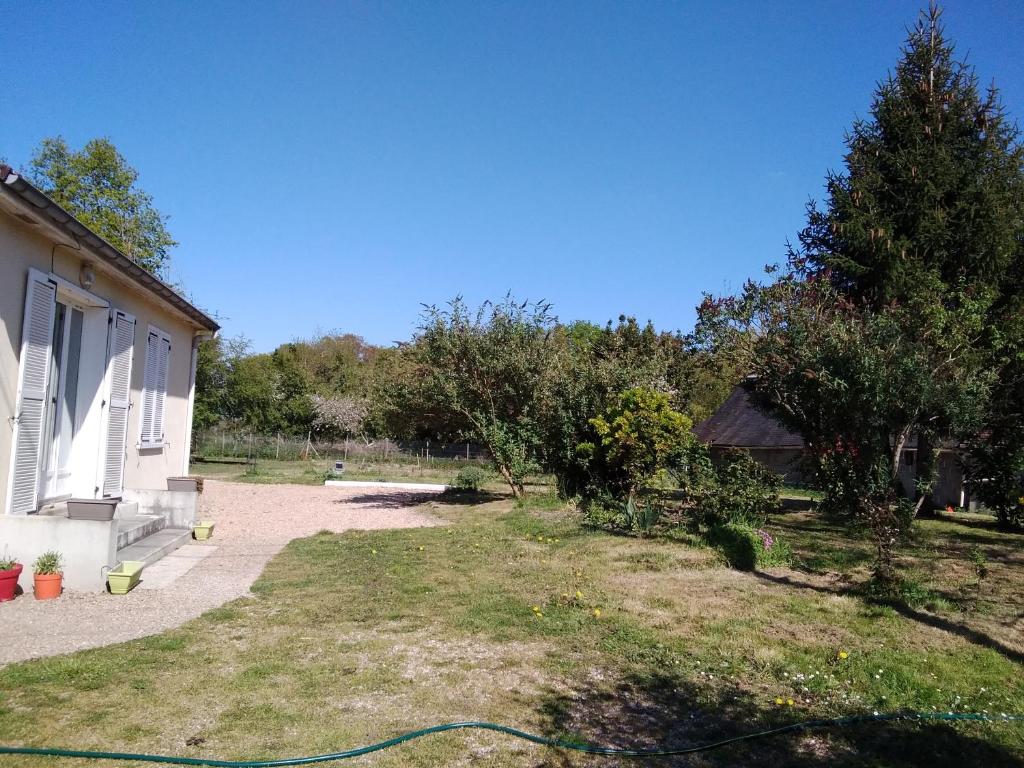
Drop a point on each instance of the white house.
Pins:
(97, 375)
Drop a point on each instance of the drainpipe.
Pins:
(197, 338)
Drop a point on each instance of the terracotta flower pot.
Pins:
(48, 585)
(9, 582)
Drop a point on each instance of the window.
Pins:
(908, 458)
(154, 388)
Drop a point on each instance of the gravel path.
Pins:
(254, 522)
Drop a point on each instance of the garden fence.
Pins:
(227, 443)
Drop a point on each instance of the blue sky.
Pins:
(333, 165)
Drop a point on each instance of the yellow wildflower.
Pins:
(789, 702)
(579, 594)
(843, 655)
(597, 613)
(778, 700)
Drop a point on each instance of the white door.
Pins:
(62, 418)
(33, 378)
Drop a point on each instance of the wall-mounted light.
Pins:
(86, 276)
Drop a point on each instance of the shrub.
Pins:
(469, 480)
(739, 489)
(636, 437)
(746, 547)
(48, 563)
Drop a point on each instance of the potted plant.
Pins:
(48, 575)
(10, 570)
(203, 530)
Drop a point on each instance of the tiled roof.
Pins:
(741, 424)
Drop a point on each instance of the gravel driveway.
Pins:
(254, 522)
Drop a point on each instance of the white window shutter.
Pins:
(120, 352)
(149, 389)
(163, 360)
(36, 340)
(154, 390)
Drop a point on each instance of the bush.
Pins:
(746, 547)
(48, 563)
(635, 438)
(738, 489)
(470, 480)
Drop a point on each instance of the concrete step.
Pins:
(155, 546)
(132, 529)
(126, 509)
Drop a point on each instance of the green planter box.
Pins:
(124, 577)
(203, 530)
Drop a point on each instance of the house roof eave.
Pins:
(51, 214)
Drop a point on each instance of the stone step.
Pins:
(155, 546)
(132, 529)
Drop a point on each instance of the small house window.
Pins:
(154, 388)
(908, 458)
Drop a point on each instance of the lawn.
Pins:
(403, 469)
(356, 637)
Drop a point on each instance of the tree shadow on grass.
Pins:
(398, 499)
(388, 499)
(661, 710)
(967, 633)
(929, 619)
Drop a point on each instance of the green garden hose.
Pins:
(592, 749)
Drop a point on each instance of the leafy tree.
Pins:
(637, 437)
(996, 452)
(211, 383)
(477, 372)
(99, 187)
(857, 383)
(339, 416)
(891, 319)
(252, 393)
(590, 367)
(931, 208)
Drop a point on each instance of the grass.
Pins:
(355, 637)
(315, 471)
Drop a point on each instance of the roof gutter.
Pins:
(53, 214)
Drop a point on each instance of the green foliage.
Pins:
(7, 563)
(895, 316)
(48, 563)
(98, 186)
(281, 391)
(738, 489)
(475, 373)
(470, 479)
(636, 437)
(745, 547)
(591, 367)
(642, 516)
(211, 384)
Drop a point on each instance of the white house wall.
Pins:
(23, 247)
